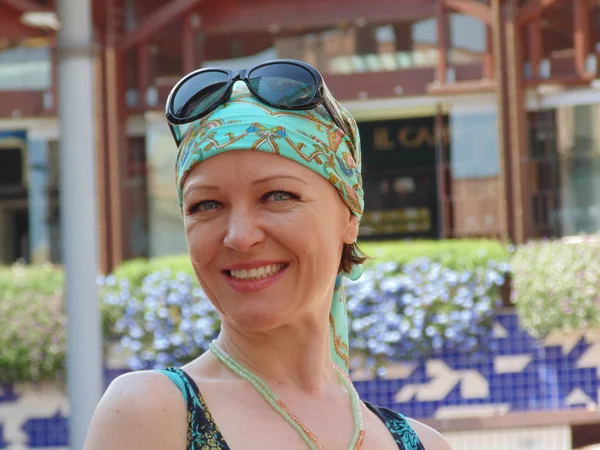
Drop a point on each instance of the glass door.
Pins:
(469, 171)
(399, 173)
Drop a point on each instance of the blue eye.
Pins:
(205, 206)
(281, 196)
(208, 205)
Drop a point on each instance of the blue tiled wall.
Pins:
(518, 374)
(553, 375)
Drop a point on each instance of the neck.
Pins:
(286, 357)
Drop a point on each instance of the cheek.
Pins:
(203, 248)
(201, 242)
(315, 238)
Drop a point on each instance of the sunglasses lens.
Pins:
(198, 93)
(286, 85)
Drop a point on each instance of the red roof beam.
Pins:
(25, 6)
(472, 8)
(532, 9)
(283, 15)
(157, 20)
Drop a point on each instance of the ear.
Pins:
(351, 232)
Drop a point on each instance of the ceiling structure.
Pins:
(145, 45)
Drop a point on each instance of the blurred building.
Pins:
(477, 118)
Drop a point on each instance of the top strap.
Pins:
(202, 430)
(398, 425)
(183, 381)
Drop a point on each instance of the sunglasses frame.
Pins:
(322, 95)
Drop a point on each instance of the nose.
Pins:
(243, 231)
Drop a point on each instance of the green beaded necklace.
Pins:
(283, 410)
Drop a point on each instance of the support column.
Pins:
(116, 136)
(366, 39)
(581, 34)
(497, 32)
(116, 116)
(143, 81)
(54, 77)
(441, 150)
(442, 33)
(535, 47)
(488, 59)
(404, 37)
(102, 170)
(85, 381)
(518, 147)
(188, 46)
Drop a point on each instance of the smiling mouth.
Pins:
(257, 273)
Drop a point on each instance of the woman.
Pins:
(271, 231)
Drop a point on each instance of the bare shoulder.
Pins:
(430, 438)
(140, 410)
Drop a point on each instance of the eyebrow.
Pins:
(275, 177)
(193, 186)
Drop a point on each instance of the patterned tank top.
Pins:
(204, 434)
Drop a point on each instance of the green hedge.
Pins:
(458, 254)
(454, 254)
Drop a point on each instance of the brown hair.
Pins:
(351, 255)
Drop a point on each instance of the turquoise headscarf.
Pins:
(310, 138)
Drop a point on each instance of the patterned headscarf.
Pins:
(310, 138)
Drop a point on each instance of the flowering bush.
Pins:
(395, 312)
(156, 311)
(407, 312)
(32, 324)
(556, 285)
(166, 321)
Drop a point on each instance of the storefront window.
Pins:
(565, 156)
(28, 199)
(473, 181)
(468, 40)
(135, 197)
(14, 235)
(399, 173)
(45, 201)
(433, 177)
(25, 66)
(165, 222)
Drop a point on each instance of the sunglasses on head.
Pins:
(284, 84)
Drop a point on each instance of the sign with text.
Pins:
(402, 143)
(396, 222)
(399, 173)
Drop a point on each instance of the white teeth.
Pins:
(258, 273)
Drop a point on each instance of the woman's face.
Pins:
(265, 236)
